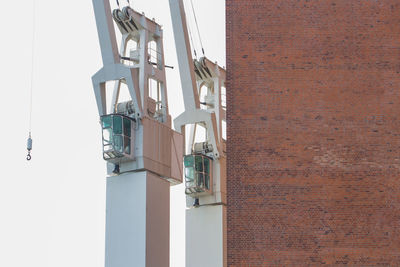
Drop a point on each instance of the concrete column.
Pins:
(205, 238)
(137, 221)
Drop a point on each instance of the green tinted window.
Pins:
(106, 121)
(199, 163)
(198, 170)
(107, 135)
(117, 124)
(127, 127)
(189, 161)
(207, 182)
(207, 165)
(127, 145)
(200, 179)
(189, 173)
(190, 183)
(118, 143)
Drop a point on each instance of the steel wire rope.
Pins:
(197, 26)
(193, 44)
(32, 64)
(29, 142)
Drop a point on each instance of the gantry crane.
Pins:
(204, 125)
(144, 155)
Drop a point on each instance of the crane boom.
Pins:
(184, 53)
(107, 40)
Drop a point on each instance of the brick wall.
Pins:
(313, 132)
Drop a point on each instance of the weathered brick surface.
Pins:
(313, 132)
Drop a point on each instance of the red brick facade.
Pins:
(313, 132)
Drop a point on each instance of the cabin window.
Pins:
(117, 136)
(198, 174)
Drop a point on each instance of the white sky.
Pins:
(53, 208)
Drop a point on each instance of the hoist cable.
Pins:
(190, 33)
(32, 64)
(191, 38)
(197, 26)
(29, 141)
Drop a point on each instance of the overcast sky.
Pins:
(53, 208)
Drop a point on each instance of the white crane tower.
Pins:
(204, 125)
(144, 155)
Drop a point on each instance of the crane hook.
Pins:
(29, 147)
